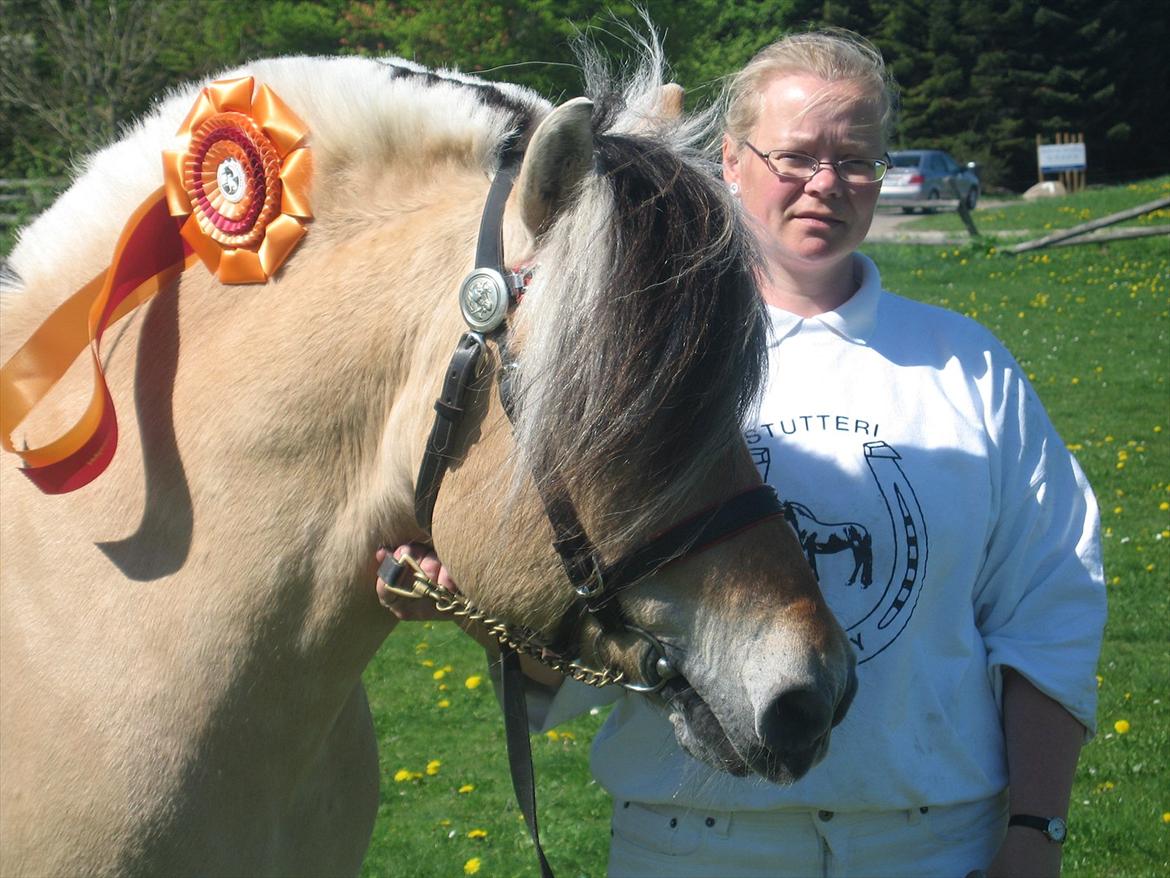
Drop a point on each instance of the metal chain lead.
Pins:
(519, 639)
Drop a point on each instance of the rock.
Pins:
(1047, 189)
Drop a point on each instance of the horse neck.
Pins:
(346, 352)
(275, 432)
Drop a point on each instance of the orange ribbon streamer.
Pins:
(234, 198)
(148, 256)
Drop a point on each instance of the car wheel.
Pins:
(934, 195)
(972, 197)
(907, 210)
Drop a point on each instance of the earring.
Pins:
(733, 188)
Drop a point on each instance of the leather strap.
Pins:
(694, 535)
(520, 746)
(449, 410)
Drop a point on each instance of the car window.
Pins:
(905, 160)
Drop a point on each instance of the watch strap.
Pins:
(1041, 824)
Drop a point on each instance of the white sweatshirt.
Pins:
(953, 534)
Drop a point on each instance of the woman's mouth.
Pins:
(818, 220)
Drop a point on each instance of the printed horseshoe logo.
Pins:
(889, 615)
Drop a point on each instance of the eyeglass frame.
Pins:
(885, 163)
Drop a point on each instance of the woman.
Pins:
(953, 534)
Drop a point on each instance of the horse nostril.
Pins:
(795, 720)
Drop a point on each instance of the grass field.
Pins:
(1091, 325)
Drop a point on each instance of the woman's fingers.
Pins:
(414, 609)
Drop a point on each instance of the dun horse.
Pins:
(183, 638)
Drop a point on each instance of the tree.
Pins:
(72, 73)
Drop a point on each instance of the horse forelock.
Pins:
(645, 345)
(381, 112)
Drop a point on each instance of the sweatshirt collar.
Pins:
(854, 320)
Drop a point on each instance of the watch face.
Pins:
(1057, 829)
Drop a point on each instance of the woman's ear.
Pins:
(730, 160)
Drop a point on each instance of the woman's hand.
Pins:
(416, 609)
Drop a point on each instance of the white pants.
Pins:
(936, 842)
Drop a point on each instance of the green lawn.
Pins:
(1091, 325)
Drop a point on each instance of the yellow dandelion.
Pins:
(472, 866)
(1166, 816)
(443, 687)
(421, 645)
(1100, 680)
(473, 681)
(443, 702)
(553, 735)
(439, 674)
(477, 833)
(1121, 727)
(1164, 505)
(401, 775)
(427, 663)
(433, 767)
(466, 788)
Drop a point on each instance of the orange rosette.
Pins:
(241, 180)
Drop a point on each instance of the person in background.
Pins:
(953, 534)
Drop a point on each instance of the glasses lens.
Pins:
(861, 170)
(792, 164)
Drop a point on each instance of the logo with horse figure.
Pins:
(844, 555)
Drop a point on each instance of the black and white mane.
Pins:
(638, 363)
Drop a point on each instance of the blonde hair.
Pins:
(834, 55)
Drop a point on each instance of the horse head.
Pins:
(637, 349)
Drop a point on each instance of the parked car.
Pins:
(928, 174)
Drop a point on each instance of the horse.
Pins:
(182, 639)
(828, 538)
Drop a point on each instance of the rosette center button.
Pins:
(229, 176)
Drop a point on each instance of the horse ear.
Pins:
(670, 101)
(558, 158)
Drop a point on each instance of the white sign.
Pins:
(1061, 157)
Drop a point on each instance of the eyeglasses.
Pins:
(801, 166)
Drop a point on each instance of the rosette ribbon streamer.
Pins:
(235, 197)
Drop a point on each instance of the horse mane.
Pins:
(644, 342)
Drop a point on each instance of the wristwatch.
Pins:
(1055, 829)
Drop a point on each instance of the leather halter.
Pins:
(486, 295)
